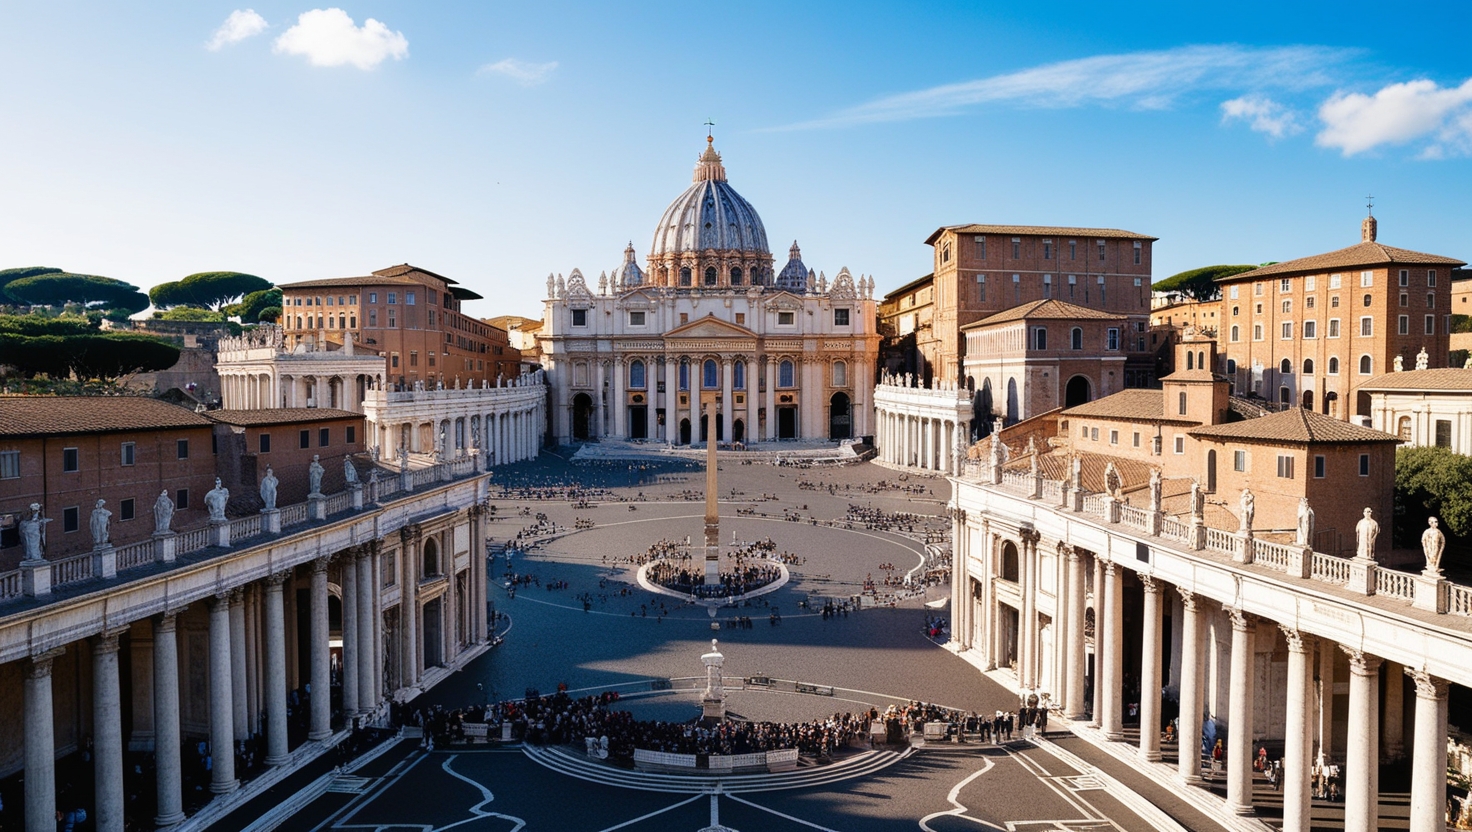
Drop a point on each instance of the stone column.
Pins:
(671, 401)
(409, 607)
(1394, 729)
(694, 404)
(238, 658)
(1150, 672)
(728, 401)
(140, 653)
(222, 709)
(750, 391)
(40, 773)
(618, 404)
(1113, 676)
(1192, 658)
(1073, 701)
(166, 720)
(275, 676)
(1326, 698)
(1027, 621)
(1100, 706)
(367, 643)
(1362, 752)
(321, 676)
(1428, 752)
(600, 409)
(770, 368)
(1239, 710)
(348, 575)
(107, 732)
(253, 703)
(1298, 744)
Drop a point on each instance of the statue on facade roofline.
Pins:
(268, 489)
(403, 459)
(1198, 501)
(33, 533)
(314, 476)
(349, 471)
(1156, 482)
(1249, 508)
(1432, 544)
(1422, 359)
(1304, 535)
(163, 513)
(215, 501)
(100, 518)
(1076, 472)
(1365, 533)
(1399, 364)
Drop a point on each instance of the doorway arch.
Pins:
(840, 420)
(684, 431)
(1077, 392)
(1009, 561)
(582, 417)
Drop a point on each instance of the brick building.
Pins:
(65, 453)
(1312, 331)
(907, 336)
(285, 439)
(411, 316)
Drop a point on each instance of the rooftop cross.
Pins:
(1370, 204)
(709, 125)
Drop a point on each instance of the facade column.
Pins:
(409, 607)
(1239, 711)
(1428, 753)
(40, 774)
(1362, 751)
(275, 675)
(1150, 672)
(1298, 743)
(1113, 676)
(600, 407)
(1326, 698)
(166, 720)
(348, 575)
(749, 430)
(769, 368)
(321, 676)
(367, 613)
(238, 661)
(1027, 662)
(107, 732)
(651, 387)
(618, 404)
(728, 401)
(1193, 657)
(671, 400)
(222, 709)
(1073, 701)
(1394, 728)
(694, 404)
(1097, 719)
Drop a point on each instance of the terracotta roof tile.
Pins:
(1295, 425)
(367, 280)
(52, 415)
(1135, 405)
(1356, 256)
(1054, 230)
(1444, 378)
(279, 416)
(1045, 310)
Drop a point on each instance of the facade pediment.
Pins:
(637, 299)
(783, 300)
(710, 327)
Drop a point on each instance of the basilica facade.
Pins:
(710, 334)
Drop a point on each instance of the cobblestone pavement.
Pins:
(625, 636)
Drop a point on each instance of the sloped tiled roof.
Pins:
(279, 416)
(1055, 230)
(53, 415)
(335, 282)
(1045, 310)
(1294, 425)
(1444, 378)
(1136, 405)
(1355, 256)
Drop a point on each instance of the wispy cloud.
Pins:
(1143, 80)
(241, 24)
(328, 37)
(1397, 114)
(1262, 114)
(523, 72)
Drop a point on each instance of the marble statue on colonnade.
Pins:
(1365, 533)
(1433, 542)
(163, 513)
(1305, 533)
(33, 533)
(314, 476)
(99, 524)
(269, 484)
(215, 501)
(1249, 510)
(349, 471)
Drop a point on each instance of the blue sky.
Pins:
(494, 143)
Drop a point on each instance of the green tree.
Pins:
(1432, 481)
(61, 288)
(207, 290)
(35, 325)
(269, 315)
(110, 355)
(8, 276)
(189, 313)
(250, 307)
(1199, 284)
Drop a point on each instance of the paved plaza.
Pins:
(577, 619)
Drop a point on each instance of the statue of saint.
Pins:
(1032, 446)
(314, 476)
(1399, 364)
(1249, 508)
(100, 518)
(1156, 486)
(1432, 544)
(996, 451)
(268, 489)
(1111, 480)
(1077, 473)
(215, 501)
(403, 459)
(163, 513)
(1422, 359)
(1032, 465)
(1198, 501)
(1365, 533)
(33, 533)
(1305, 533)
(349, 471)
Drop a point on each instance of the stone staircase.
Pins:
(573, 764)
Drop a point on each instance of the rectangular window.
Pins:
(1073, 249)
(1047, 249)
(1234, 292)
(840, 317)
(1367, 279)
(1403, 324)
(1431, 277)
(1112, 339)
(784, 319)
(1285, 467)
(1319, 466)
(1405, 299)
(1430, 324)
(373, 297)
(373, 318)
(1101, 250)
(1181, 404)
(1040, 338)
(1180, 444)
(129, 454)
(181, 448)
(9, 465)
(1136, 439)
(1239, 461)
(393, 360)
(393, 298)
(1257, 332)
(579, 317)
(1114, 437)
(1310, 282)
(1287, 334)
(408, 298)
(1138, 249)
(1333, 327)
(265, 443)
(1016, 248)
(70, 460)
(1364, 465)
(1405, 277)
(980, 248)
(1094, 434)
(181, 499)
(413, 358)
(1430, 300)
(1285, 285)
(71, 518)
(350, 434)
(126, 509)
(1257, 289)
(324, 437)
(1310, 330)
(1367, 326)
(304, 438)
(393, 322)
(636, 318)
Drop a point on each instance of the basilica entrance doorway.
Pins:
(840, 420)
(582, 417)
(705, 429)
(433, 618)
(639, 422)
(684, 431)
(786, 423)
(738, 431)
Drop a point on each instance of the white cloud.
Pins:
(241, 24)
(1262, 114)
(525, 73)
(1399, 113)
(328, 37)
(1143, 80)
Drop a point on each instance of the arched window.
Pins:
(1287, 307)
(840, 374)
(1201, 360)
(1236, 333)
(1366, 365)
(710, 275)
(685, 276)
(1231, 366)
(1190, 360)
(1308, 366)
(735, 277)
(1286, 367)
(684, 374)
(1009, 561)
(1365, 301)
(738, 373)
(710, 375)
(785, 374)
(636, 375)
(1333, 365)
(1403, 429)
(1076, 338)
(431, 558)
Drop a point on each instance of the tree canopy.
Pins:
(207, 290)
(190, 313)
(59, 347)
(8, 276)
(1199, 284)
(60, 288)
(251, 307)
(1432, 481)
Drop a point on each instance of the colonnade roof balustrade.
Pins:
(1416, 620)
(87, 594)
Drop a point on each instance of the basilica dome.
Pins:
(709, 216)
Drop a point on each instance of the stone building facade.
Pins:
(908, 342)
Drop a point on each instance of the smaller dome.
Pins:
(629, 274)
(794, 275)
